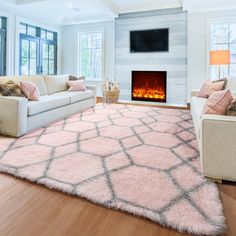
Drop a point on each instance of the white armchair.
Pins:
(218, 146)
(216, 136)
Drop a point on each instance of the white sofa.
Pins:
(18, 115)
(216, 135)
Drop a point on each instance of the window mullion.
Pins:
(48, 58)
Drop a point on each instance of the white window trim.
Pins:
(103, 53)
(10, 42)
(220, 20)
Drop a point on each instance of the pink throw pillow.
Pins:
(209, 88)
(30, 90)
(218, 103)
(77, 85)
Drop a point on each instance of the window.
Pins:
(3, 38)
(223, 37)
(38, 51)
(48, 59)
(91, 55)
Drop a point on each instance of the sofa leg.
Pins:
(218, 181)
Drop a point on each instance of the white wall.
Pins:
(13, 20)
(70, 48)
(198, 50)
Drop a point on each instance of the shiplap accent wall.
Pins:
(174, 61)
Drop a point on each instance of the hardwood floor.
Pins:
(29, 209)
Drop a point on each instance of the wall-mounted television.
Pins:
(156, 40)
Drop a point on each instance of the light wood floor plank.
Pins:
(29, 209)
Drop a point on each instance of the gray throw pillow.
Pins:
(225, 80)
(74, 78)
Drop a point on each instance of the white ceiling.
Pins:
(208, 5)
(64, 12)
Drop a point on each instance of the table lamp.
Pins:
(220, 57)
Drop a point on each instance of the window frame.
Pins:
(210, 22)
(30, 38)
(48, 42)
(3, 32)
(101, 31)
(41, 41)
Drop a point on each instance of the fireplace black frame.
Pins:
(149, 99)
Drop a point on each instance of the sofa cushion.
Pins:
(38, 80)
(197, 105)
(76, 96)
(46, 103)
(56, 83)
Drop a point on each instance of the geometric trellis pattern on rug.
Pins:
(141, 160)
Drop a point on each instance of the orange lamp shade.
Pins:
(220, 57)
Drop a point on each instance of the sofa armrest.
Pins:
(205, 117)
(13, 116)
(94, 89)
(194, 93)
(218, 146)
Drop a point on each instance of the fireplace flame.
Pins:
(149, 93)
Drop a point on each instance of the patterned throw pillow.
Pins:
(30, 90)
(10, 88)
(231, 111)
(73, 78)
(218, 103)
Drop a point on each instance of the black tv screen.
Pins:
(156, 40)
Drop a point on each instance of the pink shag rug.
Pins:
(141, 160)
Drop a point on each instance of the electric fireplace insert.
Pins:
(149, 86)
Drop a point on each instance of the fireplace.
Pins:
(149, 86)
